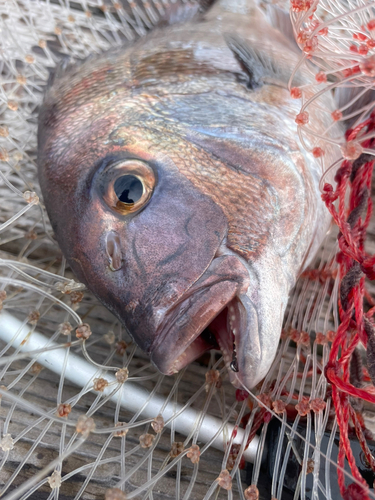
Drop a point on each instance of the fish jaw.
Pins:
(235, 307)
(256, 348)
(182, 335)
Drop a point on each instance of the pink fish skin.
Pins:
(178, 189)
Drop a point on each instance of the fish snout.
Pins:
(191, 325)
(233, 307)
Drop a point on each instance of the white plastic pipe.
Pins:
(133, 397)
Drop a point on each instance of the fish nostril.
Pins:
(113, 249)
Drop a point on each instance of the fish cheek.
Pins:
(157, 253)
(167, 247)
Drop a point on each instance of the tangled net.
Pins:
(84, 413)
(340, 42)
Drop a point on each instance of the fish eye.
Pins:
(128, 189)
(128, 185)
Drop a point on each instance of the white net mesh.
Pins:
(78, 419)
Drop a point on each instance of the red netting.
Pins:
(352, 216)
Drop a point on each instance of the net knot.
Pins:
(332, 370)
(328, 195)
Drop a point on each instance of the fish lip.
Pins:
(175, 312)
(223, 282)
(248, 359)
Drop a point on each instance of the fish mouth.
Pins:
(210, 315)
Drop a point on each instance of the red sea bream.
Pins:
(178, 190)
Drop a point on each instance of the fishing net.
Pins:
(84, 415)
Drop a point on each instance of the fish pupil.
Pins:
(128, 189)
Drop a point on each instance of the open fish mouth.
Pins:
(210, 315)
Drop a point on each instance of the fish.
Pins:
(178, 189)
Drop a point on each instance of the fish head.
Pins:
(147, 243)
(175, 205)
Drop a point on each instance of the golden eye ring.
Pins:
(129, 185)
